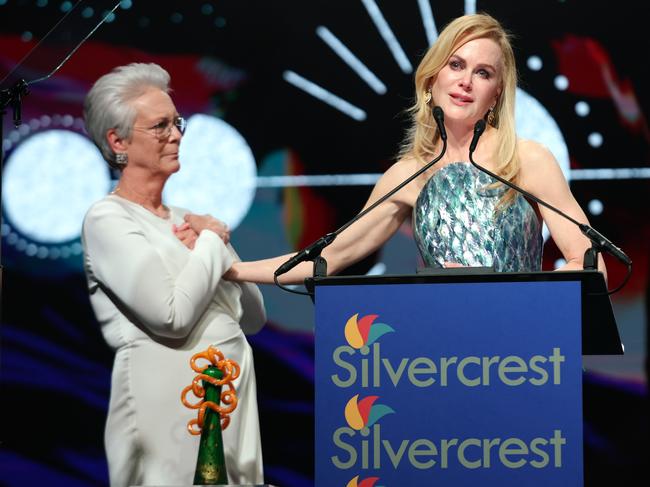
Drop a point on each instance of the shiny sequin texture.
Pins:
(456, 220)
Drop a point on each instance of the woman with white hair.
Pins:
(155, 280)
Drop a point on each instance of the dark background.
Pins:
(227, 59)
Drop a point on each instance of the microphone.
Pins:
(439, 117)
(598, 240)
(479, 128)
(313, 250)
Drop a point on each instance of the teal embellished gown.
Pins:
(455, 220)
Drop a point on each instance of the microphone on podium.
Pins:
(313, 251)
(598, 241)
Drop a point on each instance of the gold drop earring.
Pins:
(491, 116)
(427, 97)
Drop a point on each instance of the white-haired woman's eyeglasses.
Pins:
(163, 129)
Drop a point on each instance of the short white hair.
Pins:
(108, 104)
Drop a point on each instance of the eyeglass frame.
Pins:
(164, 132)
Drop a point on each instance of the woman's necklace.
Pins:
(162, 212)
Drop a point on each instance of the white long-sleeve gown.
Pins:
(158, 303)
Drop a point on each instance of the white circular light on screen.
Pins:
(534, 122)
(595, 139)
(534, 63)
(218, 171)
(595, 207)
(559, 263)
(561, 82)
(49, 182)
(582, 109)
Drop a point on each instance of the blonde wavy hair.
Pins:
(422, 135)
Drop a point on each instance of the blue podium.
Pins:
(455, 379)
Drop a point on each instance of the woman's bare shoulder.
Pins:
(538, 165)
(399, 172)
(530, 151)
(535, 157)
(406, 164)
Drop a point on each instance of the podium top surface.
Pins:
(593, 278)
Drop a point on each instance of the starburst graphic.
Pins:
(364, 332)
(367, 482)
(363, 413)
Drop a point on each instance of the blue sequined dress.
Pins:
(454, 220)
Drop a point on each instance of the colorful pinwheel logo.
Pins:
(367, 482)
(364, 413)
(363, 332)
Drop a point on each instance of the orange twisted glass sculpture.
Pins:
(230, 370)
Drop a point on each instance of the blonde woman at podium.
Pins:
(155, 280)
(460, 216)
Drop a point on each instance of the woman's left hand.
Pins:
(198, 223)
(185, 234)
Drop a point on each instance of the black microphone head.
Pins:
(438, 114)
(439, 117)
(479, 127)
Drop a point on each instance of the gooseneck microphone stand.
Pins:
(313, 251)
(9, 97)
(599, 242)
